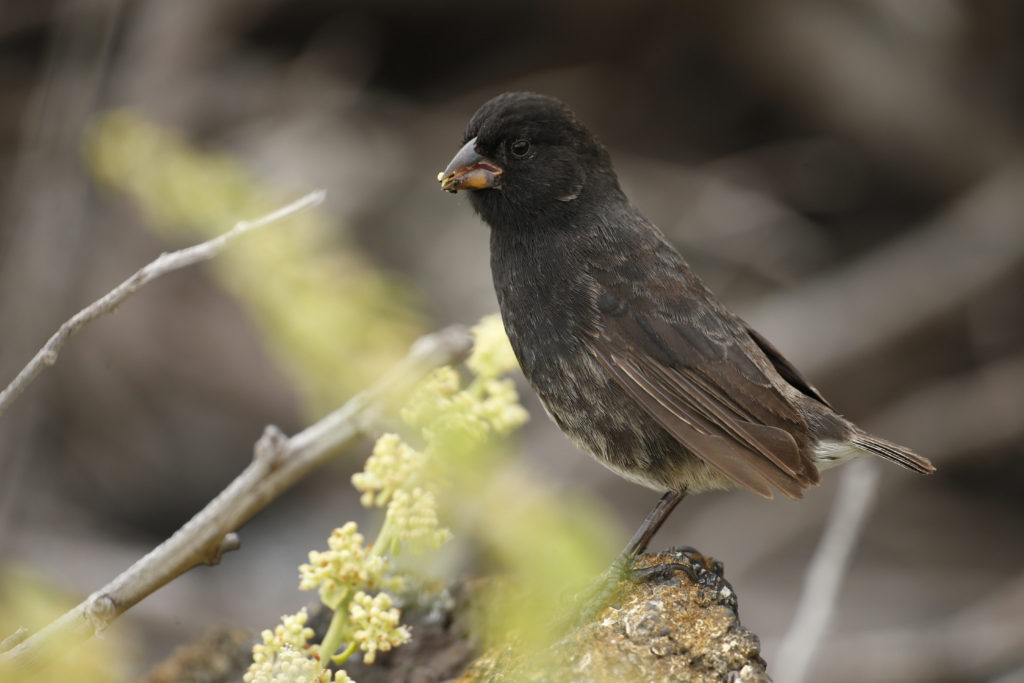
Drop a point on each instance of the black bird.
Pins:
(631, 354)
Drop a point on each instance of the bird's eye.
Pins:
(520, 148)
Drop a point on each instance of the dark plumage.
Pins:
(631, 354)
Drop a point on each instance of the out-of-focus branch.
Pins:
(163, 264)
(278, 463)
(975, 644)
(857, 487)
(856, 73)
(986, 403)
(942, 266)
(44, 201)
(978, 643)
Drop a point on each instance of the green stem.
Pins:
(349, 651)
(476, 387)
(335, 633)
(384, 538)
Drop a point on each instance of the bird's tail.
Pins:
(893, 453)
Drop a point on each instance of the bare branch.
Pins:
(986, 401)
(910, 113)
(982, 641)
(857, 488)
(961, 252)
(278, 463)
(163, 264)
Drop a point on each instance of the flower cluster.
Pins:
(432, 400)
(492, 398)
(444, 412)
(413, 517)
(393, 465)
(500, 407)
(375, 624)
(288, 665)
(345, 566)
(492, 354)
(400, 478)
(285, 656)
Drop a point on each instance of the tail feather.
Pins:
(894, 453)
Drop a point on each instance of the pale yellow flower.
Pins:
(375, 624)
(501, 407)
(344, 567)
(432, 397)
(492, 354)
(393, 465)
(413, 518)
(285, 656)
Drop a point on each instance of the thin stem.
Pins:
(828, 567)
(385, 537)
(279, 462)
(349, 651)
(163, 264)
(336, 633)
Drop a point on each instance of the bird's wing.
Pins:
(785, 368)
(707, 392)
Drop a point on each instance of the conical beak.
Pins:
(469, 170)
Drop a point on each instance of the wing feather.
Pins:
(725, 412)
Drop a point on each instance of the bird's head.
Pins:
(525, 156)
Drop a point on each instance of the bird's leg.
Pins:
(652, 522)
(601, 592)
(638, 543)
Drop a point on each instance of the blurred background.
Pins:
(846, 174)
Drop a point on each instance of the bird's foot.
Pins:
(627, 571)
(706, 573)
(684, 559)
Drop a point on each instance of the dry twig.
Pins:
(278, 463)
(857, 309)
(857, 488)
(982, 641)
(163, 264)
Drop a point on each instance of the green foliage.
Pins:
(546, 547)
(27, 602)
(285, 655)
(335, 324)
(332, 320)
(403, 480)
(548, 544)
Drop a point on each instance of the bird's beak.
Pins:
(469, 170)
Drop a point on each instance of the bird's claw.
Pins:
(701, 570)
